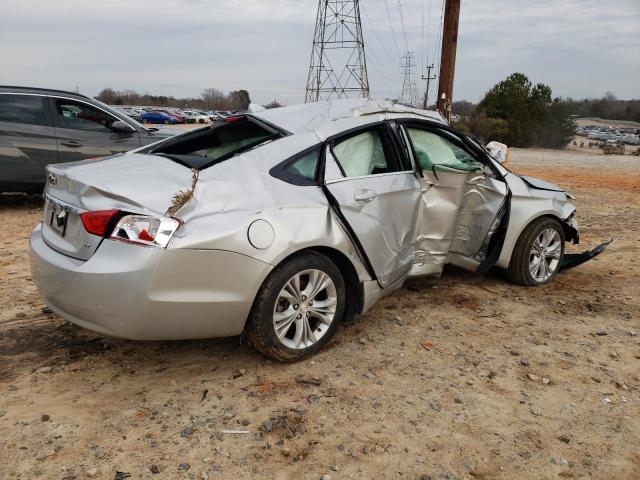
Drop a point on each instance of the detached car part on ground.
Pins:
(282, 223)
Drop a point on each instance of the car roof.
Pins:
(315, 115)
(41, 91)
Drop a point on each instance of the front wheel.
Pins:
(538, 253)
(298, 308)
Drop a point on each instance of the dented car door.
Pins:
(462, 201)
(377, 195)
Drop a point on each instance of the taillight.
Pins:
(98, 222)
(145, 230)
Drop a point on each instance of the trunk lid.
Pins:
(131, 182)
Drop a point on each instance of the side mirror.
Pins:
(120, 126)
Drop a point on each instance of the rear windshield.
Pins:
(221, 141)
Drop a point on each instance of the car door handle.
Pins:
(71, 143)
(364, 196)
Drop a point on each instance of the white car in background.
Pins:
(195, 117)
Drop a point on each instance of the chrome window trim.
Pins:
(73, 100)
(346, 179)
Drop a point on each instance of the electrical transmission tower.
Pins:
(409, 95)
(338, 68)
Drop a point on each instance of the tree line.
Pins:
(209, 99)
(608, 107)
(521, 114)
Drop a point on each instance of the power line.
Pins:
(382, 64)
(375, 33)
(375, 67)
(428, 49)
(386, 5)
(424, 4)
(404, 32)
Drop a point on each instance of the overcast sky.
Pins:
(581, 48)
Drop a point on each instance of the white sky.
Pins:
(179, 47)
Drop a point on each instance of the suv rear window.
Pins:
(221, 141)
(22, 109)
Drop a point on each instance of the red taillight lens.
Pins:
(233, 119)
(98, 222)
(144, 235)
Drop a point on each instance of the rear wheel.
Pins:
(538, 253)
(297, 309)
(166, 122)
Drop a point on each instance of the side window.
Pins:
(22, 109)
(305, 166)
(431, 149)
(363, 154)
(80, 116)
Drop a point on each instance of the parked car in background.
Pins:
(157, 117)
(179, 117)
(281, 223)
(44, 126)
(196, 117)
(134, 113)
(214, 116)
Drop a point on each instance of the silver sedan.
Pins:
(282, 223)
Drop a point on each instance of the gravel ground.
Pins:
(457, 377)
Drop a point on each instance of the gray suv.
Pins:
(43, 126)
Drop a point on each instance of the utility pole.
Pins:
(338, 68)
(428, 78)
(448, 56)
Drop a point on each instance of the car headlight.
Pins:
(145, 230)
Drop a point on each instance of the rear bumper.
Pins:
(145, 293)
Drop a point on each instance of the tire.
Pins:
(270, 304)
(522, 267)
(166, 122)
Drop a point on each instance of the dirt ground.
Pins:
(451, 378)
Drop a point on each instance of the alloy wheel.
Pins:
(544, 257)
(304, 309)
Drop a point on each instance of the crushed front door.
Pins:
(462, 201)
(378, 197)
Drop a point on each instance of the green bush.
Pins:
(520, 114)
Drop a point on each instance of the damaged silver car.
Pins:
(281, 223)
